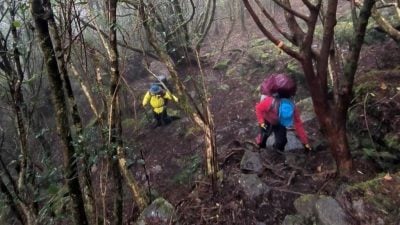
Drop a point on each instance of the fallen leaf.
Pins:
(388, 177)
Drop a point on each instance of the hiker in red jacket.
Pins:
(268, 112)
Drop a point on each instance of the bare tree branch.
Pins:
(186, 22)
(274, 23)
(327, 40)
(293, 25)
(104, 34)
(269, 35)
(291, 11)
(309, 5)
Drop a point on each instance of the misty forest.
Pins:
(248, 112)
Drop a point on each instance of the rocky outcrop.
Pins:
(252, 186)
(160, 211)
(251, 163)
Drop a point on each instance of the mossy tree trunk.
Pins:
(114, 120)
(119, 166)
(76, 119)
(60, 107)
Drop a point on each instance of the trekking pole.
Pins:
(161, 82)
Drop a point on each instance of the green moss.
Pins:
(128, 122)
(222, 65)
(365, 87)
(232, 71)
(392, 140)
(367, 185)
(258, 42)
(382, 202)
(191, 166)
(378, 196)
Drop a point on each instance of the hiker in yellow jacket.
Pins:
(158, 99)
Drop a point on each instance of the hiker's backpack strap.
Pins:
(274, 106)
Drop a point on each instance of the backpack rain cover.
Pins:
(286, 112)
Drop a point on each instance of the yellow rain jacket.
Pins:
(157, 101)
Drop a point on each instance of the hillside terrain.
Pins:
(284, 188)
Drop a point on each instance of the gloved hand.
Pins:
(263, 126)
(307, 147)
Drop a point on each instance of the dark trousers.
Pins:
(279, 133)
(162, 118)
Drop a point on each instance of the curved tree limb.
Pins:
(269, 35)
(293, 25)
(327, 40)
(309, 5)
(356, 44)
(385, 25)
(207, 24)
(274, 23)
(104, 34)
(186, 22)
(290, 10)
(311, 24)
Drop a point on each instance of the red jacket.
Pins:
(265, 112)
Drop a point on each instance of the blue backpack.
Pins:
(286, 112)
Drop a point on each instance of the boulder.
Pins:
(305, 205)
(329, 212)
(252, 186)
(160, 211)
(292, 144)
(294, 220)
(296, 160)
(251, 163)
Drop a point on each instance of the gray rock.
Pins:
(294, 220)
(292, 144)
(252, 186)
(242, 131)
(329, 212)
(251, 163)
(296, 160)
(359, 208)
(160, 211)
(156, 169)
(305, 205)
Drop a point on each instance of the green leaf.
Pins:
(33, 78)
(16, 24)
(52, 190)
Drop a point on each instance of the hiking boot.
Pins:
(167, 120)
(155, 125)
